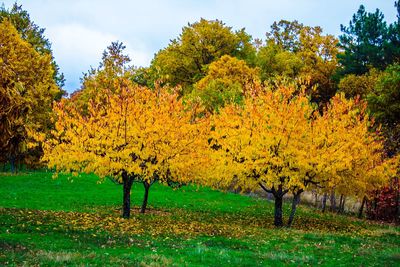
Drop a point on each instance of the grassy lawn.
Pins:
(59, 222)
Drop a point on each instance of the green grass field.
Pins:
(59, 222)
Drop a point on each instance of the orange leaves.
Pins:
(184, 223)
(278, 138)
(139, 131)
(264, 140)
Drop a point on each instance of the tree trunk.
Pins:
(278, 216)
(146, 196)
(127, 185)
(315, 199)
(397, 188)
(360, 211)
(12, 164)
(295, 202)
(333, 201)
(278, 200)
(343, 202)
(339, 210)
(324, 199)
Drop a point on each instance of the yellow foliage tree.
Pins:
(27, 90)
(135, 135)
(353, 157)
(279, 142)
(112, 74)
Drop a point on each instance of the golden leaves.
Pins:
(27, 90)
(139, 131)
(186, 223)
(278, 138)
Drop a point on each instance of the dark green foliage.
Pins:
(392, 45)
(368, 42)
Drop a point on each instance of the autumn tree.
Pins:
(27, 90)
(112, 73)
(135, 134)
(185, 60)
(300, 52)
(280, 143)
(34, 35)
(259, 144)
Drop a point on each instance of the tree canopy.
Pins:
(368, 42)
(279, 142)
(34, 35)
(185, 60)
(134, 134)
(27, 90)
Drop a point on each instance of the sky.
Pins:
(80, 30)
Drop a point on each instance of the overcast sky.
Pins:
(80, 30)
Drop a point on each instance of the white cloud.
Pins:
(76, 43)
(77, 48)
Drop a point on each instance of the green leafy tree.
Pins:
(228, 80)
(301, 53)
(274, 61)
(384, 100)
(369, 42)
(185, 60)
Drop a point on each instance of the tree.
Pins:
(359, 85)
(392, 44)
(384, 204)
(384, 100)
(228, 80)
(112, 74)
(286, 35)
(274, 61)
(133, 134)
(27, 90)
(278, 141)
(318, 53)
(185, 60)
(368, 42)
(354, 154)
(300, 52)
(259, 145)
(34, 35)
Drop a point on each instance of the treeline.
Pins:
(211, 71)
